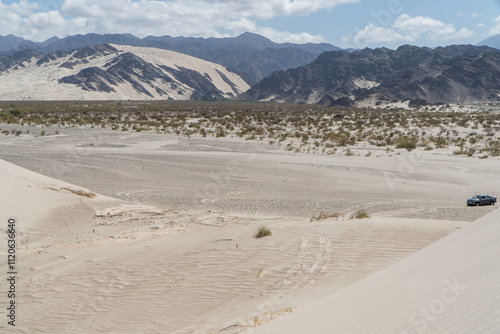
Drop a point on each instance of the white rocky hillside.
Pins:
(115, 72)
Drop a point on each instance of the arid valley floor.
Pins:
(143, 232)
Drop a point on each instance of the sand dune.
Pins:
(248, 178)
(156, 261)
(450, 286)
(100, 265)
(41, 82)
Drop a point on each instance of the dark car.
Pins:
(481, 200)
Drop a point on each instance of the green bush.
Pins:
(361, 213)
(16, 112)
(493, 148)
(409, 143)
(262, 232)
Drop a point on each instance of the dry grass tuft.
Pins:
(361, 213)
(269, 316)
(324, 215)
(262, 232)
(80, 192)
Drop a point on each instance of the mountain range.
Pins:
(251, 54)
(420, 75)
(123, 66)
(493, 42)
(114, 72)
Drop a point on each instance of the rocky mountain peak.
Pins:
(454, 74)
(99, 50)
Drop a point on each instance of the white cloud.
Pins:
(298, 7)
(411, 29)
(45, 20)
(22, 8)
(285, 36)
(202, 18)
(461, 34)
(426, 27)
(496, 29)
(26, 20)
(374, 34)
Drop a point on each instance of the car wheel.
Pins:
(492, 203)
(476, 204)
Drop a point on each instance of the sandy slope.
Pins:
(31, 197)
(40, 82)
(99, 265)
(178, 60)
(249, 178)
(450, 286)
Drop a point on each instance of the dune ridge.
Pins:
(450, 286)
(177, 253)
(97, 264)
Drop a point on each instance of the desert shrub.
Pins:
(16, 113)
(464, 150)
(220, 132)
(409, 143)
(80, 192)
(323, 215)
(262, 232)
(470, 151)
(361, 213)
(493, 148)
(440, 142)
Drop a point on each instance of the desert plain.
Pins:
(154, 232)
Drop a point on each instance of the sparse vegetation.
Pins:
(407, 142)
(361, 213)
(312, 129)
(323, 215)
(80, 192)
(493, 148)
(267, 316)
(262, 232)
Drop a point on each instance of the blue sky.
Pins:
(345, 23)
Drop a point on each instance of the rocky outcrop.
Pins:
(18, 59)
(454, 74)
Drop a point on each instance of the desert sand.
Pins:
(450, 286)
(41, 82)
(167, 244)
